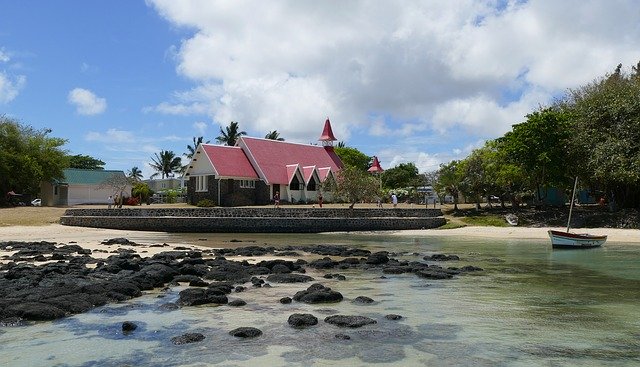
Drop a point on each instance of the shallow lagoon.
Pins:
(531, 306)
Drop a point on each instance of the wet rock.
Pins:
(289, 278)
(392, 316)
(285, 300)
(36, 311)
(128, 327)
(378, 258)
(245, 332)
(349, 321)
(198, 283)
(342, 336)
(301, 320)
(200, 296)
(433, 274)
(237, 303)
(324, 263)
(168, 307)
(187, 338)
(363, 300)
(317, 293)
(119, 241)
(441, 257)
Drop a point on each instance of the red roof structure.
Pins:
(271, 157)
(229, 161)
(327, 133)
(375, 166)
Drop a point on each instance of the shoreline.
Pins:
(61, 233)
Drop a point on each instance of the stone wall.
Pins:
(260, 220)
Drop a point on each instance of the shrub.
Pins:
(132, 201)
(205, 203)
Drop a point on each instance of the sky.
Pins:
(408, 81)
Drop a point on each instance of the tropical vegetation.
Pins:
(230, 134)
(165, 164)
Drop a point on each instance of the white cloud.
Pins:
(200, 127)
(86, 102)
(111, 136)
(473, 66)
(10, 86)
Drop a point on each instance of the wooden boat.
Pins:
(560, 239)
(566, 239)
(512, 219)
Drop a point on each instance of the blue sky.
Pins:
(408, 81)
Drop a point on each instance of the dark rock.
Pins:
(237, 303)
(240, 288)
(317, 293)
(201, 296)
(396, 270)
(301, 320)
(349, 321)
(245, 332)
(198, 283)
(128, 327)
(119, 241)
(470, 268)
(285, 300)
(35, 311)
(378, 258)
(363, 299)
(433, 274)
(168, 307)
(324, 263)
(442, 257)
(289, 278)
(187, 338)
(342, 336)
(392, 316)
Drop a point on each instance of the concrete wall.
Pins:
(261, 220)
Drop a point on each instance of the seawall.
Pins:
(254, 220)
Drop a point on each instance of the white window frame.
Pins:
(201, 184)
(247, 184)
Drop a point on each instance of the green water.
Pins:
(531, 306)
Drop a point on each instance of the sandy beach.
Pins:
(92, 236)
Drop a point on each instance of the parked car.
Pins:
(36, 202)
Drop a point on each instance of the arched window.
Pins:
(295, 184)
(311, 186)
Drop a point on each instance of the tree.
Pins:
(402, 175)
(353, 185)
(134, 174)
(141, 191)
(117, 183)
(274, 135)
(449, 180)
(166, 163)
(605, 134)
(191, 149)
(539, 147)
(231, 135)
(353, 157)
(28, 157)
(85, 162)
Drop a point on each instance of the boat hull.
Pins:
(561, 239)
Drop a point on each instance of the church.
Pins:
(255, 169)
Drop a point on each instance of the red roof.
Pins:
(323, 173)
(229, 161)
(375, 166)
(307, 173)
(327, 133)
(271, 157)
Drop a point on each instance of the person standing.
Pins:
(110, 201)
(394, 200)
(276, 199)
(320, 200)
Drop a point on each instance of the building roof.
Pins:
(375, 166)
(327, 133)
(271, 157)
(76, 176)
(229, 161)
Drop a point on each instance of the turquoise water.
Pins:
(532, 306)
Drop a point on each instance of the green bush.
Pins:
(205, 203)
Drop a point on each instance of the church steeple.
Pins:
(327, 137)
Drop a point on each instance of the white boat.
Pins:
(560, 239)
(566, 239)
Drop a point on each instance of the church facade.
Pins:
(255, 169)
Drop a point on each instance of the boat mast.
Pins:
(573, 196)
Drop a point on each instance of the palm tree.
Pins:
(165, 163)
(135, 174)
(274, 135)
(341, 144)
(192, 149)
(231, 135)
